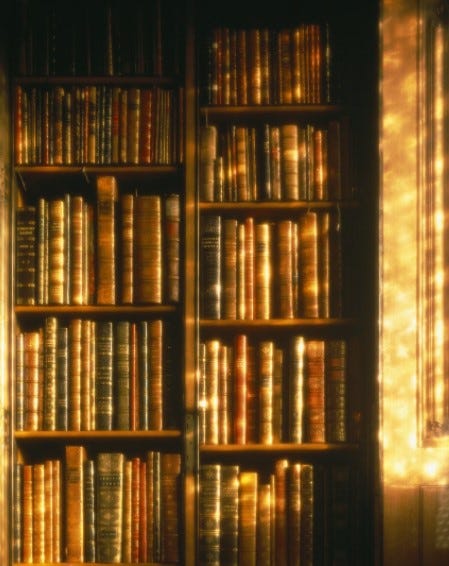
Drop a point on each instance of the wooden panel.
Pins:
(401, 526)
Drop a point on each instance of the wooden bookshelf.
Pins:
(130, 371)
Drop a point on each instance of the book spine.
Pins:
(210, 245)
(156, 370)
(148, 249)
(127, 248)
(74, 502)
(121, 375)
(172, 246)
(110, 472)
(74, 378)
(104, 378)
(51, 325)
(56, 249)
(229, 514)
(26, 268)
(89, 492)
(248, 486)
(107, 195)
(209, 515)
(170, 507)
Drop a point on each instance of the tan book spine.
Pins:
(242, 67)
(27, 529)
(289, 160)
(170, 510)
(208, 156)
(262, 270)
(156, 385)
(148, 249)
(107, 196)
(146, 126)
(229, 279)
(38, 513)
(254, 66)
(87, 376)
(280, 512)
(56, 511)
(249, 268)
(296, 389)
(264, 527)
(127, 248)
(133, 131)
(324, 265)
(48, 511)
(76, 255)
(56, 248)
(285, 67)
(135, 509)
(225, 382)
(127, 511)
(248, 486)
(308, 262)
(240, 388)
(74, 503)
(285, 259)
(51, 325)
(240, 140)
(320, 162)
(172, 246)
(314, 392)
(212, 391)
(75, 334)
(32, 408)
(278, 395)
(265, 388)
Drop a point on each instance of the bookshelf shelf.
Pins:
(270, 111)
(94, 310)
(97, 79)
(281, 323)
(257, 208)
(97, 435)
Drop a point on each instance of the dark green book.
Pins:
(26, 256)
(105, 374)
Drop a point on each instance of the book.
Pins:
(335, 389)
(27, 514)
(247, 521)
(156, 336)
(263, 270)
(56, 251)
(264, 526)
(74, 503)
(51, 325)
(172, 245)
(209, 515)
(314, 391)
(26, 256)
(32, 381)
(308, 262)
(121, 373)
(296, 388)
(170, 496)
(107, 195)
(265, 388)
(89, 495)
(17, 510)
(74, 376)
(240, 388)
(77, 240)
(211, 254)
(104, 375)
(39, 524)
(229, 269)
(208, 156)
(110, 472)
(229, 514)
(148, 249)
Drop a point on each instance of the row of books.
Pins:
(97, 124)
(121, 248)
(96, 375)
(263, 66)
(274, 162)
(262, 269)
(269, 519)
(104, 508)
(98, 38)
(263, 391)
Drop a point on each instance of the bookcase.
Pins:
(191, 290)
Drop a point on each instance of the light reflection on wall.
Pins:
(412, 253)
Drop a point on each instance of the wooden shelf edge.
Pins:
(97, 434)
(278, 323)
(284, 448)
(60, 310)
